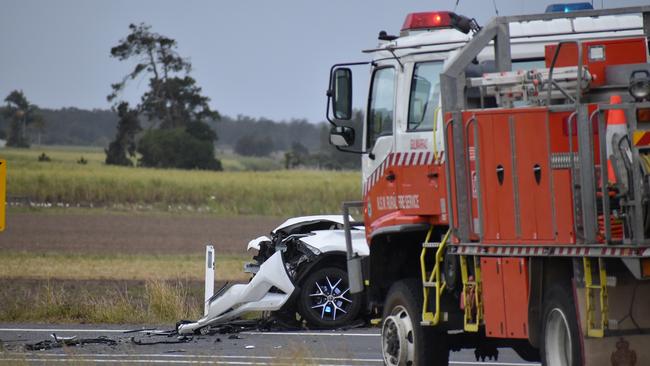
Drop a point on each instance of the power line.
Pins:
(494, 2)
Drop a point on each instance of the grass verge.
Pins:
(150, 301)
(118, 288)
(117, 266)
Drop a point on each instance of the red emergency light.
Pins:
(427, 20)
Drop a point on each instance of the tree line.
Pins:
(81, 127)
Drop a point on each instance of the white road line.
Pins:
(488, 363)
(231, 359)
(63, 330)
(148, 362)
(315, 334)
(221, 362)
(166, 355)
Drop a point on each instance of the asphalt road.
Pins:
(352, 347)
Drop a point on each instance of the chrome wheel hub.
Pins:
(558, 340)
(330, 298)
(397, 338)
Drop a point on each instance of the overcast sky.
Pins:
(261, 58)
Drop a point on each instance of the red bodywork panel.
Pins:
(415, 193)
(614, 52)
(505, 278)
(525, 200)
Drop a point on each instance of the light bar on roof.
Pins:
(568, 8)
(427, 20)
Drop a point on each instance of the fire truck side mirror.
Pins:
(341, 90)
(342, 136)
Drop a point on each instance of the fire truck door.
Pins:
(532, 176)
(497, 177)
(421, 188)
(379, 178)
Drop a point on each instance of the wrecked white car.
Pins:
(300, 268)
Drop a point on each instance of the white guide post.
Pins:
(209, 276)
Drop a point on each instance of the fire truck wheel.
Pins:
(560, 337)
(325, 299)
(403, 340)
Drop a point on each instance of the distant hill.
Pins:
(73, 126)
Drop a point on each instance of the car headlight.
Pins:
(312, 249)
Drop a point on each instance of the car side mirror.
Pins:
(341, 93)
(342, 136)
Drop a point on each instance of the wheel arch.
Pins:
(395, 255)
(336, 259)
(544, 273)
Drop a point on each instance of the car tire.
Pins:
(325, 299)
(560, 336)
(404, 341)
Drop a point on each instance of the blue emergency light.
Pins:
(568, 8)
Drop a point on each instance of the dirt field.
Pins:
(105, 267)
(101, 232)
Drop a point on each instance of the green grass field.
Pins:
(273, 193)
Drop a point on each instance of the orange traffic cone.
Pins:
(616, 124)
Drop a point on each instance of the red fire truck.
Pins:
(506, 186)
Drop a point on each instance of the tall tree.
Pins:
(173, 100)
(21, 114)
(124, 143)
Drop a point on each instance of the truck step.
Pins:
(429, 283)
(430, 245)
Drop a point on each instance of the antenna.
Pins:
(494, 2)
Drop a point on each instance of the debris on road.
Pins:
(179, 339)
(140, 330)
(59, 342)
(152, 336)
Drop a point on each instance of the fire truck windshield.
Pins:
(425, 96)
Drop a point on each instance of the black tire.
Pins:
(404, 340)
(528, 353)
(560, 344)
(451, 265)
(325, 299)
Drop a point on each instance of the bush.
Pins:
(177, 148)
(43, 158)
(115, 155)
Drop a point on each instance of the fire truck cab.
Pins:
(506, 186)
